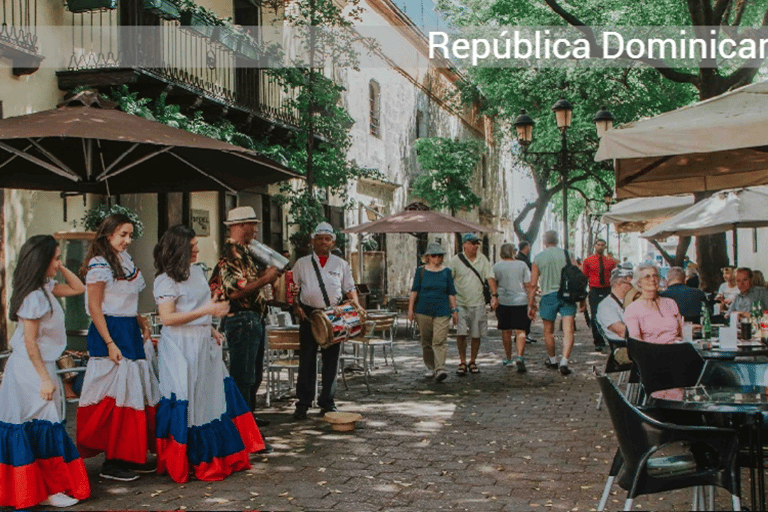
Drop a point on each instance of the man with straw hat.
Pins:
(239, 278)
(323, 279)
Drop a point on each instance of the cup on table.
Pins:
(688, 331)
(728, 338)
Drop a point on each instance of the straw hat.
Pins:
(342, 421)
(241, 215)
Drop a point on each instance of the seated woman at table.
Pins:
(653, 318)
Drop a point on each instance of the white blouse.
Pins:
(51, 336)
(188, 295)
(121, 297)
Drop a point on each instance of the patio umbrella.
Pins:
(86, 145)
(642, 213)
(420, 221)
(717, 144)
(724, 211)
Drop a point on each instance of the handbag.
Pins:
(486, 286)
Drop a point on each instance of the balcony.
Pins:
(18, 36)
(195, 65)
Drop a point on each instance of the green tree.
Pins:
(448, 166)
(708, 80)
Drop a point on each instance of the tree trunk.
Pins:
(682, 247)
(711, 255)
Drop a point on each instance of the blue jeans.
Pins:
(245, 338)
(305, 384)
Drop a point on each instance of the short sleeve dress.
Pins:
(117, 404)
(37, 457)
(203, 422)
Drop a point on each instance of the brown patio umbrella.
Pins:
(419, 221)
(86, 145)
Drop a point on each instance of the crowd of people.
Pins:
(177, 398)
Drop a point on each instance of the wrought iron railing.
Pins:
(19, 28)
(176, 54)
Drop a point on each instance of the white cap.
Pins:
(324, 229)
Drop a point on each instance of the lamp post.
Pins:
(608, 198)
(563, 111)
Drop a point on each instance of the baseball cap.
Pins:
(469, 237)
(324, 229)
(621, 272)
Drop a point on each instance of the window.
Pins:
(374, 93)
(421, 124)
(483, 173)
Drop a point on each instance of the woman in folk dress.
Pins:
(38, 462)
(120, 391)
(203, 422)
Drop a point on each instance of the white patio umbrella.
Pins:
(720, 143)
(724, 211)
(642, 213)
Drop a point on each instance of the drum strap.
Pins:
(320, 280)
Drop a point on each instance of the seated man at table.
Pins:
(610, 310)
(689, 300)
(748, 294)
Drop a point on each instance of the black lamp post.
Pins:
(608, 198)
(563, 112)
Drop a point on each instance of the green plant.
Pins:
(96, 215)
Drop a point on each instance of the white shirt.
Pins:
(188, 295)
(121, 297)
(337, 277)
(51, 336)
(610, 312)
(729, 293)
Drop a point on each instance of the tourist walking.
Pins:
(470, 270)
(433, 303)
(239, 278)
(203, 422)
(597, 268)
(547, 268)
(323, 280)
(117, 404)
(38, 462)
(513, 286)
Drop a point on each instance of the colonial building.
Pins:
(199, 69)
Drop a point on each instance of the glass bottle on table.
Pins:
(706, 322)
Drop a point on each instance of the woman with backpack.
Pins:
(433, 303)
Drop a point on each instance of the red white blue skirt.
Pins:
(203, 423)
(117, 404)
(37, 457)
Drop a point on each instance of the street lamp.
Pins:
(563, 111)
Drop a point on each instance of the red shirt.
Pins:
(591, 268)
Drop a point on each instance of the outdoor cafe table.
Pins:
(740, 406)
(710, 349)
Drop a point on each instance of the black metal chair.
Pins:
(710, 457)
(665, 366)
(618, 360)
(735, 373)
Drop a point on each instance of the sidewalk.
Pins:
(494, 441)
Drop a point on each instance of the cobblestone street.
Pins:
(494, 441)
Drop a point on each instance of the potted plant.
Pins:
(96, 215)
(199, 19)
(90, 5)
(164, 9)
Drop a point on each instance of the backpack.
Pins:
(573, 283)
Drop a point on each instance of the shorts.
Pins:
(513, 317)
(550, 306)
(473, 321)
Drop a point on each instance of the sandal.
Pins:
(462, 371)
(473, 368)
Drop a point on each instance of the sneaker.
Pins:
(441, 376)
(507, 362)
(59, 500)
(521, 365)
(565, 370)
(429, 374)
(528, 339)
(113, 471)
(599, 348)
(549, 364)
(146, 468)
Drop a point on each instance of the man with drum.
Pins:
(240, 279)
(323, 280)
